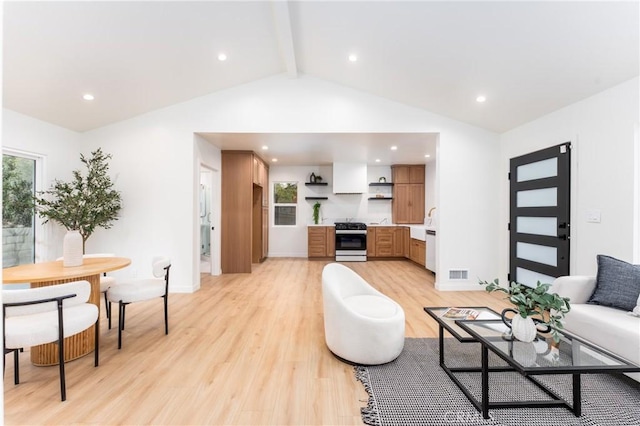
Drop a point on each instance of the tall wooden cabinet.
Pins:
(245, 211)
(408, 193)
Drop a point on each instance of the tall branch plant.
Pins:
(87, 202)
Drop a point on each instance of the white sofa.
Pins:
(361, 325)
(610, 328)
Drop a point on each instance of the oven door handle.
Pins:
(352, 232)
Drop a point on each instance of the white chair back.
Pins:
(82, 290)
(159, 264)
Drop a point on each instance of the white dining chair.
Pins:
(140, 290)
(105, 280)
(36, 316)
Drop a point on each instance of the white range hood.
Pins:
(349, 178)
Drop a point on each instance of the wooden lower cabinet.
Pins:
(321, 241)
(371, 242)
(385, 241)
(417, 251)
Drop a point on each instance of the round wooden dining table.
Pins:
(51, 273)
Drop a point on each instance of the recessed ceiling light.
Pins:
(481, 98)
(222, 57)
(353, 57)
(427, 156)
(377, 160)
(88, 97)
(275, 160)
(264, 147)
(393, 148)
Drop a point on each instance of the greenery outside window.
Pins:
(285, 203)
(18, 218)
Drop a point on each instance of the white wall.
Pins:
(430, 187)
(60, 150)
(601, 130)
(157, 165)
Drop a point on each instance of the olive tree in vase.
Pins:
(85, 203)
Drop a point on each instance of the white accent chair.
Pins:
(361, 325)
(36, 316)
(128, 292)
(105, 281)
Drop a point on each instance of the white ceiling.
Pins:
(528, 58)
(310, 149)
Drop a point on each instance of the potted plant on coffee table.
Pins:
(534, 306)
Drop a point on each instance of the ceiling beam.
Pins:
(282, 22)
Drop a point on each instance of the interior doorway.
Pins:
(207, 222)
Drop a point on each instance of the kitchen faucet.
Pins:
(384, 220)
(430, 210)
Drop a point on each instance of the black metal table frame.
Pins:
(484, 405)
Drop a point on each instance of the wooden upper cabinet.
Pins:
(416, 174)
(259, 174)
(408, 173)
(400, 174)
(408, 193)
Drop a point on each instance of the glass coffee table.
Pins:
(571, 355)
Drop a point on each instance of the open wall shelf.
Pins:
(316, 198)
(381, 184)
(381, 198)
(316, 183)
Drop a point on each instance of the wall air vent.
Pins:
(459, 274)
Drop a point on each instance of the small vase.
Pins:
(72, 249)
(523, 329)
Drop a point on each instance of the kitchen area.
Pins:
(348, 210)
(387, 221)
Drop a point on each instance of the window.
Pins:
(285, 200)
(18, 231)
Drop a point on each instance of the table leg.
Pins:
(76, 346)
(577, 396)
(441, 344)
(485, 382)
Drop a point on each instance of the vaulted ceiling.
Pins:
(527, 58)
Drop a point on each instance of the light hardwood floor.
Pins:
(246, 349)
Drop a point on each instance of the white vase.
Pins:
(72, 249)
(523, 329)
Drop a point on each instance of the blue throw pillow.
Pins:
(617, 284)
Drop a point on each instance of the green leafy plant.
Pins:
(84, 204)
(17, 193)
(532, 301)
(316, 212)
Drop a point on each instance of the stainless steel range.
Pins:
(351, 242)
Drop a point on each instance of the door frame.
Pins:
(214, 231)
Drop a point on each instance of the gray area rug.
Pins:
(414, 390)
